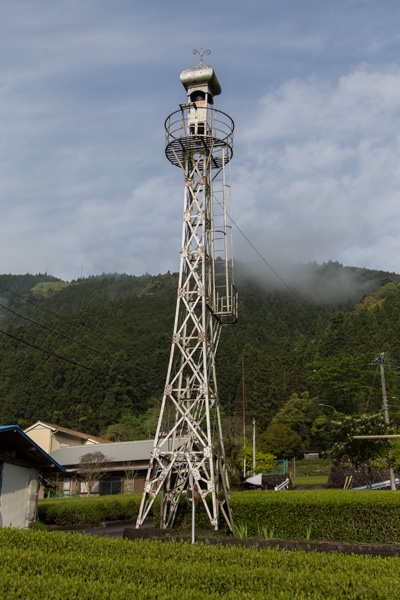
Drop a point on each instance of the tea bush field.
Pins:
(75, 511)
(59, 565)
(336, 515)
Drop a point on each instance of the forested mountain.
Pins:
(44, 291)
(100, 356)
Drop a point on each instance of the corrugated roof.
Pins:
(115, 452)
(12, 437)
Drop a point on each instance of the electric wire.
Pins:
(91, 348)
(58, 316)
(260, 255)
(372, 386)
(68, 360)
(266, 262)
(50, 312)
(87, 346)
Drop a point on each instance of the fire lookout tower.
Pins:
(188, 447)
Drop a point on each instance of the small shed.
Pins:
(22, 462)
(310, 455)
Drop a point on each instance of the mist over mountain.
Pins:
(329, 282)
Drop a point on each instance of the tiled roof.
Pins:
(69, 431)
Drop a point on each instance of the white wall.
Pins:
(18, 495)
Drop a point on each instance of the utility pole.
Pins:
(381, 360)
(244, 423)
(254, 446)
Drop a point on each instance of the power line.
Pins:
(266, 262)
(68, 360)
(68, 337)
(372, 386)
(91, 348)
(390, 364)
(259, 254)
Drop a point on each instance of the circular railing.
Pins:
(194, 129)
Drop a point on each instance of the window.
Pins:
(111, 485)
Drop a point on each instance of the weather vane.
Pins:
(201, 53)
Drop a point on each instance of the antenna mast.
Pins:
(188, 444)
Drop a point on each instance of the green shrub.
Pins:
(338, 515)
(73, 511)
(58, 565)
(184, 514)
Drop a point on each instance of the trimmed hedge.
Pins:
(58, 565)
(73, 511)
(336, 515)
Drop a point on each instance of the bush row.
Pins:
(336, 515)
(61, 565)
(72, 511)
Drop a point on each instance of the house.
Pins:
(125, 472)
(22, 462)
(52, 437)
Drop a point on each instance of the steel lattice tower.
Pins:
(188, 446)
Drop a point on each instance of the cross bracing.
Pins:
(188, 446)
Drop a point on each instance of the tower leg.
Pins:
(188, 441)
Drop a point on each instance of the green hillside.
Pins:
(301, 348)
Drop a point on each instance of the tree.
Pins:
(299, 414)
(92, 467)
(129, 479)
(344, 381)
(265, 461)
(362, 454)
(132, 427)
(119, 432)
(280, 440)
(388, 456)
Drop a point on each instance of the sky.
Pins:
(85, 87)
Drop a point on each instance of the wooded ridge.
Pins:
(99, 356)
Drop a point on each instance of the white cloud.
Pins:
(321, 174)
(84, 91)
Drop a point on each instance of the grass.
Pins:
(266, 532)
(308, 531)
(311, 467)
(240, 530)
(313, 480)
(45, 289)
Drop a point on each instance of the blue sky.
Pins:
(85, 86)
